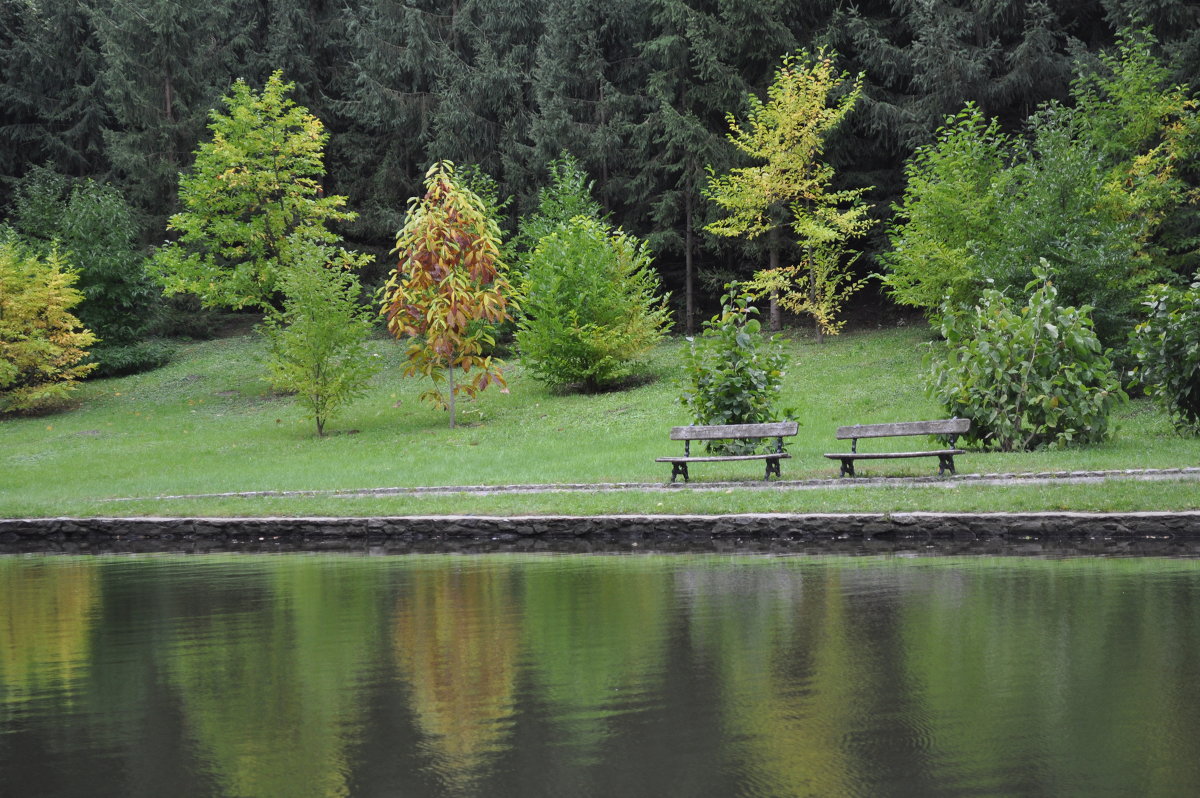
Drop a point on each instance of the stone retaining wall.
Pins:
(1178, 532)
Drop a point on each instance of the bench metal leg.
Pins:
(677, 470)
(945, 463)
(773, 468)
(847, 468)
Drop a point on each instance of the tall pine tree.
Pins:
(587, 91)
(165, 65)
(697, 71)
(51, 106)
(389, 99)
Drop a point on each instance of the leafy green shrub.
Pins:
(1028, 377)
(591, 306)
(134, 358)
(569, 195)
(41, 343)
(1167, 348)
(94, 227)
(315, 346)
(948, 213)
(1097, 187)
(732, 373)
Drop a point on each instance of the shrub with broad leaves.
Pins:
(733, 374)
(1027, 377)
(1167, 347)
(316, 345)
(591, 306)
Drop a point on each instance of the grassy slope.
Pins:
(208, 424)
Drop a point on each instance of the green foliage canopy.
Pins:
(1167, 347)
(786, 135)
(250, 201)
(96, 230)
(568, 195)
(316, 344)
(1086, 187)
(732, 374)
(948, 208)
(591, 306)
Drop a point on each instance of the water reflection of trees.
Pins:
(778, 637)
(45, 634)
(268, 681)
(456, 636)
(597, 634)
(825, 677)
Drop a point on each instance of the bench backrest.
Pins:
(723, 431)
(951, 426)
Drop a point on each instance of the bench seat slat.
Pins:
(892, 455)
(954, 426)
(734, 431)
(720, 458)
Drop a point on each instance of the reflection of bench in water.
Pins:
(776, 430)
(951, 428)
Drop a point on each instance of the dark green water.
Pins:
(311, 675)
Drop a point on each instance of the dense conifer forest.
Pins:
(637, 90)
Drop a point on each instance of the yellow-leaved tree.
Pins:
(448, 289)
(42, 344)
(785, 136)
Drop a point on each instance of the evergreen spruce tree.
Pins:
(165, 65)
(697, 71)
(925, 61)
(588, 90)
(398, 50)
(483, 113)
(1174, 23)
(52, 111)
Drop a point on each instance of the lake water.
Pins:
(512, 675)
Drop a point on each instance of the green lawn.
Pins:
(208, 424)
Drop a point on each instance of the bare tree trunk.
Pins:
(689, 324)
(773, 316)
(812, 300)
(451, 370)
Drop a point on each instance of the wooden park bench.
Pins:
(952, 428)
(776, 430)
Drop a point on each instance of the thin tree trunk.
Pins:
(168, 99)
(689, 270)
(776, 324)
(812, 299)
(451, 370)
